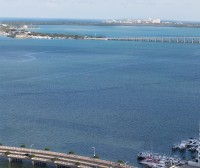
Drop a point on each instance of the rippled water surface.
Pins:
(121, 97)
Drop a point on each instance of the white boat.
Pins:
(144, 155)
(175, 147)
(162, 164)
(157, 157)
(158, 161)
(154, 163)
(174, 160)
(193, 149)
(149, 164)
(192, 143)
(183, 145)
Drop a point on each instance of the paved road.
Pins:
(61, 158)
(178, 39)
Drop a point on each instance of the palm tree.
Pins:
(77, 164)
(31, 156)
(23, 146)
(46, 149)
(54, 159)
(120, 161)
(7, 153)
(71, 152)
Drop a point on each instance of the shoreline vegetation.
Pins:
(23, 32)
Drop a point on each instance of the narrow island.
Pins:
(24, 32)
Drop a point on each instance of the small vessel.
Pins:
(192, 142)
(183, 145)
(158, 161)
(175, 147)
(192, 149)
(149, 163)
(144, 155)
(162, 163)
(174, 160)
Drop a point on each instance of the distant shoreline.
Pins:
(97, 23)
(23, 31)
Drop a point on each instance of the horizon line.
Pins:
(64, 18)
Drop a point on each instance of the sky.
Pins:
(184, 10)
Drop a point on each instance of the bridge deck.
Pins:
(181, 39)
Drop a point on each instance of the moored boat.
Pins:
(159, 161)
(183, 145)
(144, 155)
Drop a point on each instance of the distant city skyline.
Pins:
(183, 10)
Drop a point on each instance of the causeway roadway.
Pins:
(175, 39)
(59, 160)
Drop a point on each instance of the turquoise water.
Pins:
(121, 97)
(119, 31)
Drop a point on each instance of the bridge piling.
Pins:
(40, 164)
(9, 160)
(16, 161)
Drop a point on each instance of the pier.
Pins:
(183, 40)
(58, 160)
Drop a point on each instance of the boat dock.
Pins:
(55, 159)
(152, 160)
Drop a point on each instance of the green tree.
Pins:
(1, 144)
(77, 164)
(46, 149)
(71, 152)
(54, 159)
(32, 156)
(7, 153)
(120, 161)
(23, 146)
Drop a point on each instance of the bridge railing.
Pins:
(63, 156)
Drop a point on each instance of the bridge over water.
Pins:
(183, 40)
(55, 159)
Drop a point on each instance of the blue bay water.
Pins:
(121, 97)
(120, 31)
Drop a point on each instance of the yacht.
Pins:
(144, 155)
(183, 145)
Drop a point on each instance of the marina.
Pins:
(154, 160)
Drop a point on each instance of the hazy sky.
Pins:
(102, 9)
